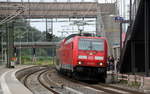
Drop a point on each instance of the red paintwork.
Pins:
(68, 53)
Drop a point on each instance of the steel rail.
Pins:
(103, 87)
(44, 85)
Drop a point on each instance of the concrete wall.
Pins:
(112, 31)
(106, 26)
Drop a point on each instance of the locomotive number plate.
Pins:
(90, 63)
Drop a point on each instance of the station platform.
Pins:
(8, 82)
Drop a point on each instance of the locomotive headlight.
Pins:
(79, 62)
(82, 57)
(101, 64)
(99, 58)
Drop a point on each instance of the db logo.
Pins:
(90, 57)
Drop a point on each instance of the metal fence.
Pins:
(131, 80)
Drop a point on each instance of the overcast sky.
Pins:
(58, 27)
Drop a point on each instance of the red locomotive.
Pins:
(83, 57)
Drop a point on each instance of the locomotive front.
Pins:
(91, 58)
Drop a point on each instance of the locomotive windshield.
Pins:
(91, 44)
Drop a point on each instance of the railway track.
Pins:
(106, 88)
(33, 81)
(25, 78)
(43, 81)
(113, 88)
(60, 88)
(66, 85)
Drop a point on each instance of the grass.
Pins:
(134, 84)
(38, 61)
(130, 84)
(123, 82)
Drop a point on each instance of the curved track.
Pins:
(66, 85)
(43, 82)
(33, 81)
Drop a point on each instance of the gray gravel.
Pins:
(85, 90)
(35, 86)
(127, 87)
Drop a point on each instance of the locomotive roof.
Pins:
(83, 34)
(72, 35)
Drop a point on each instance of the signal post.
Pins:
(10, 44)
